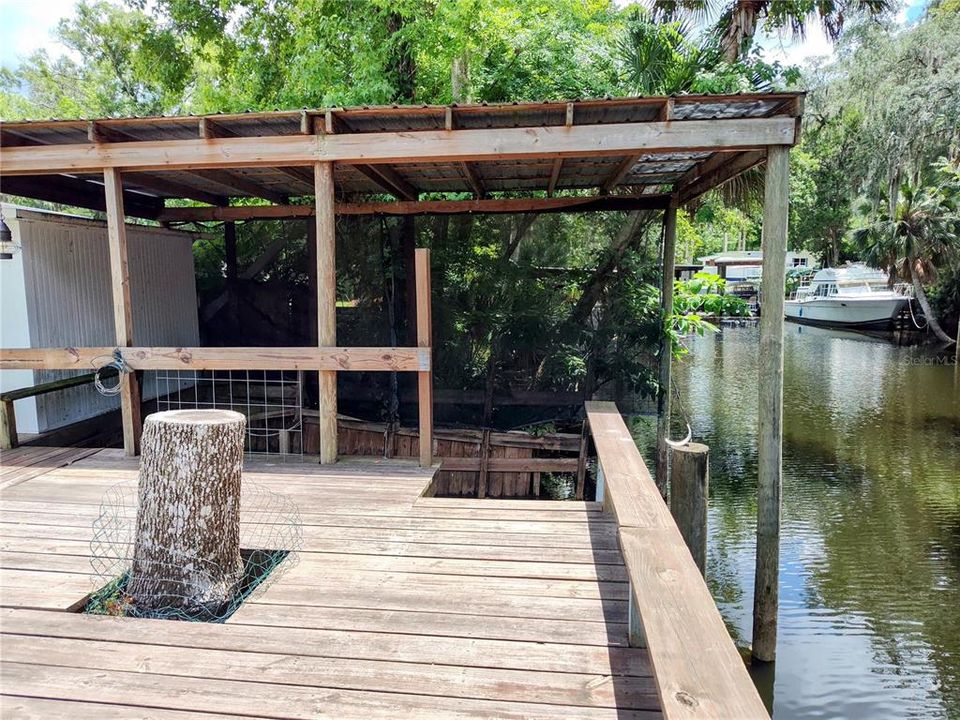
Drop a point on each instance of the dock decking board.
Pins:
(400, 606)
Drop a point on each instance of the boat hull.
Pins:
(845, 312)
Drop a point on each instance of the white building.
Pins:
(55, 292)
(744, 265)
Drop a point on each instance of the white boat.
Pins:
(850, 296)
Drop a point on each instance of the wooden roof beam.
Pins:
(237, 185)
(66, 190)
(424, 207)
(558, 162)
(99, 133)
(429, 146)
(390, 180)
(621, 171)
(738, 164)
(210, 128)
(383, 175)
(470, 173)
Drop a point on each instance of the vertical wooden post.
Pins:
(582, 461)
(770, 422)
(122, 310)
(666, 308)
(8, 426)
(425, 378)
(230, 251)
(326, 304)
(636, 638)
(689, 487)
(484, 463)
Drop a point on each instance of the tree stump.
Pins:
(187, 543)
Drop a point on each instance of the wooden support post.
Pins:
(484, 464)
(689, 485)
(582, 460)
(635, 635)
(326, 305)
(666, 308)
(122, 310)
(424, 378)
(770, 383)
(8, 426)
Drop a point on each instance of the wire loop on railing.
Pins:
(117, 363)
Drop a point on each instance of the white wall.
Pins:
(14, 328)
(66, 286)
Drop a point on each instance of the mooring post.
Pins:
(689, 487)
(776, 205)
(666, 351)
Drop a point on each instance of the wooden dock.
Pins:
(401, 606)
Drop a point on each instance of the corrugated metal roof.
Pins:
(649, 171)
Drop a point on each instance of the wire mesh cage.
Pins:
(184, 586)
(272, 402)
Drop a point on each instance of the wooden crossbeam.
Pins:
(469, 171)
(424, 207)
(237, 185)
(621, 171)
(734, 166)
(390, 180)
(374, 359)
(67, 190)
(617, 140)
(210, 128)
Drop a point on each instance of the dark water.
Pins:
(870, 544)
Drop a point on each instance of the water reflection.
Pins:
(870, 560)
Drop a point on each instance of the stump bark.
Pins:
(187, 543)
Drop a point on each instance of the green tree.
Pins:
(917, 237)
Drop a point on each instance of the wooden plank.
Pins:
(698, 670)
(575, 690)
(326, 305)
(424, 340)
(308, 642)
(776, 206)
(630, 492)
(122, 309)
(210, 358)
(511, 465)
(256, 699)
(607, 140)
(493, 206)
(32, 708)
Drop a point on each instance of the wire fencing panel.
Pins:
(272, 402)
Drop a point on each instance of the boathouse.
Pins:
(403, 604)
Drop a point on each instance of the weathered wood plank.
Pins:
(426, 146)
(211, 358)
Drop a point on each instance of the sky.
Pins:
(29, 25)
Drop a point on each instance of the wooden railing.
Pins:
(697, 669)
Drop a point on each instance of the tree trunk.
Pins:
(187, 543)
(925, 304)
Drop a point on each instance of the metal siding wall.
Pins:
(67, 269)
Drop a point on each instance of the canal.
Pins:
(870, 545)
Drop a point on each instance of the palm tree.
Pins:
(737, 20)
(912, 240)
(659, 58)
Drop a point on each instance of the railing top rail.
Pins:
(697, 668)
(384, 359)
